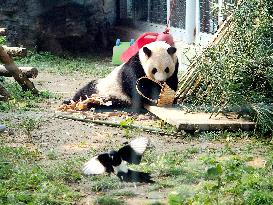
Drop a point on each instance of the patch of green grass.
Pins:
(104, 183)
(108, 200)
(23, 181)
(164, 164)
(28, 125)
(94, 65)
(214, 174)
(23, 100)
(124, 193)
(182, 196)
(128, 132)
(155, 203)
(165, 126)
(163, 183)
(227, 177)
(69, 170)
(52, 155)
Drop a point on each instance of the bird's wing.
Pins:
(122, 167)
(133, 152)
(93, 166)
(139, 145)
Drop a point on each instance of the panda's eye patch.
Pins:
(167, 70)
(154, 71)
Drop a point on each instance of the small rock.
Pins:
(2, 128)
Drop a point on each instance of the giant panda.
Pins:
(156, 60)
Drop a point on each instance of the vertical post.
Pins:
(117, 11)
(197, 21)
(220, 15)
(168, 10)
(190, 20)
(134, 12)
(125, 9)
(129, 9)
(149, 10)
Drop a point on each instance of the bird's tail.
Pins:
(135, 176)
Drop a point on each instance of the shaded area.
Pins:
(58, 26)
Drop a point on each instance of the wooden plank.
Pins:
(3, 31)
(30, 72)
(15, 51)
(200, 121)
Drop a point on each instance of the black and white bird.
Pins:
(116, 162)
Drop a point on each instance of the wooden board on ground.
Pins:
(200, 121)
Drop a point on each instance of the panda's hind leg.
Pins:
(85, 91)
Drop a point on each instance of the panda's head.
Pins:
(158, 60)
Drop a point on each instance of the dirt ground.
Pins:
(68, 138)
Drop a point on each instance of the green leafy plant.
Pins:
(125, 123)
(23, 181)
(216, 172)
(23, 100)
(29, 124)
(108, 200)
(3, 40)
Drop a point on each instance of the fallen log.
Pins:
(118, 124)
(16, 51)
(3, 31)
(24, 82)
(30, 72)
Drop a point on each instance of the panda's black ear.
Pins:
(147, 51)
(171, 50)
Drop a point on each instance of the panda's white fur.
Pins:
(111, 86)
(120, 83)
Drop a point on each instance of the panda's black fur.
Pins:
(130, 72)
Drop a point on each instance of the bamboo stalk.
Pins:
(186, 81)
(113, 124)
(188, 87)
(195, 86)
(184, 76)
(216, 39)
